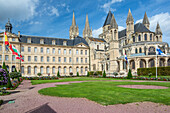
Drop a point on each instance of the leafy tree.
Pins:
(39, 74)
(104, 74)
(77, 74)
(58, 74)
(88, 74)
(129, 74)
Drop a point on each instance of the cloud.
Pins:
(2, 30)
(54, 11)
(36, 22)
(164, 22)
(19, 10)
(98, 31)
(107, 5)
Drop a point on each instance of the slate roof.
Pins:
(139, 27)
(96, 39)
(108, 19)
(58, 41)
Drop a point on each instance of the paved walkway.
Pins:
(28, 100)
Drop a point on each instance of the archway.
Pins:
(151, 63)
(132, 64)
(142, 63)
(161, 62)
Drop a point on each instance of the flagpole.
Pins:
(156, 65)
(3, 56)
(11, 61)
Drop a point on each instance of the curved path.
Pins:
(28, 100)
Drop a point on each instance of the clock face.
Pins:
(152, 49)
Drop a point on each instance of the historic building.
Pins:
(82, 54)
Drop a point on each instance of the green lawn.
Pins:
(34, 82)
(158, 76)
(107, 92)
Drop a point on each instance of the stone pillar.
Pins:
(147, 64)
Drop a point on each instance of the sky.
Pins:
(53, 18)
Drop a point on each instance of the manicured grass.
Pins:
(107, 92)
(34, 82)
(155, 76)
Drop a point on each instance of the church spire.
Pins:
(8, 26)
(158, 30)
(129, 17)
(74, 30)
(146, 21)
(113, 22)
(87, 32)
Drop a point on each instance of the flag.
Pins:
(159, 52)
(20, 58)
(6, 40)
(126, 58)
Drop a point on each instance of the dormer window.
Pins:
(13, 39)
(29, 40)
(65, 43)
(42, 41)
(53, 42)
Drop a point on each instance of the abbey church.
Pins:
(48, 55)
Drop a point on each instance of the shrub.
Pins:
(58, 74)
(129, 74)
(99, 72)
(91, 72)
(115, 74)
(150, 74)
(15, 75)
(15, 70)
(1, 101)
(104, 74)
(7, 75)
(4, 67)
(39, 74)
(77, 74)
(88, 74)
(3, 77)
(71, 73)
(95, 73)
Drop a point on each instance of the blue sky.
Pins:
(53, 18)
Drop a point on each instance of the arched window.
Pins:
(157, 38)
(81, 70)
(64, 70)
(59, 69)
(168, 62)
(142, 63)
(22, 69)
(86, 70)
(145, 37)
(139, 38)
(35, 70)
(47, 70)
(77, 69)
(107, 67)
(41, 70)
(136, 50)
(124, 64)
(161, 62)
(7, 67)
(151, 63)
(150, 37)
(70, 69)
(115, 32)
(140, 50)
(29, 69)
(13, 68)
(53, 70)
(133, 38)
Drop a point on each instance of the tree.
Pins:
(77, 74)
(88, 74)
(58, 74)
(9, 81)
(4, 67)
(15, 70)
(129, 74)
(104, 74)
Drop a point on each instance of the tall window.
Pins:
(150, 37)
(59, 59)
(77, 69)
(64, 51)
(86, 60)
(59, 69)
(29, 40)
(85, 52)
(53, 42)
(6, 57)
(48, 70)
(35, 49)
(29, 58)
(29, 49)
(53, 50)
(98, 47)
(136, 50)
(53, 70)
(64, 70)
(70, 51)
(41, 50)
(140, 50)
(35, 58)
(42, 58)
(41, 41)
(139, 38)
(22, 48)
(81, 52)
(13, 39)
(59, 51)
(53, 59)
(77, 59)
(0, 47)
(64, 59)
(70, 59)
(0, 38)
(133, 38)
(81, 60)
(70, 69)
(145, 37)
(77, 51)
(41, 70)
(22, 69)
(35, 70)
(29, 69)
(13, 57)
(48, 50)
(48, 59)
(81, 70)
(0, 57)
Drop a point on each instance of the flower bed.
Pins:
(15, 83)
(40, 78)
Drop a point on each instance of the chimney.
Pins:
(19, 34)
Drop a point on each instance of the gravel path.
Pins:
(28, 100)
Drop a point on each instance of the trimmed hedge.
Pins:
(95, 73)
(161, 71)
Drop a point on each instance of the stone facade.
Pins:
(49, 55)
